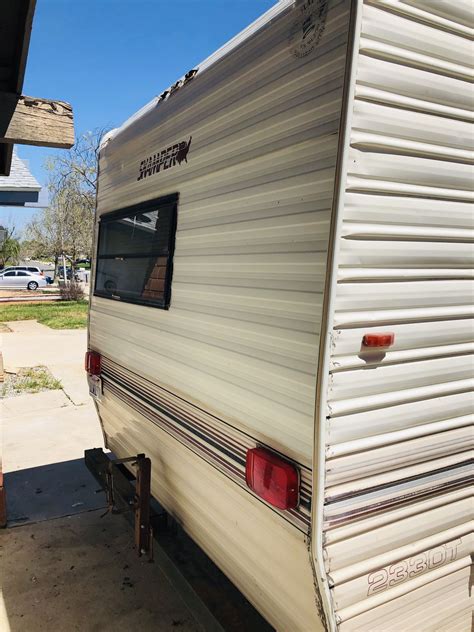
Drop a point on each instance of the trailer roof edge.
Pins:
(263, 21)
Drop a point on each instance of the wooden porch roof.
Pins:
(25, 120)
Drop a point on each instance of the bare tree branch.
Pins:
(66, 226)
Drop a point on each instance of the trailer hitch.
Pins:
(129, 494)
(126, 493)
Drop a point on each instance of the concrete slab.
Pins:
(52, 491)
(81, 573)
(70, 569)
(28, 402)
(62, 351)
(27, 327)
(47, 435)
(74, 381)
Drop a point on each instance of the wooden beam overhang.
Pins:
(35, 121)
(25, 120)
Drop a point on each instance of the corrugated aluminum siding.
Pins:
(398, 509)
(241, 337)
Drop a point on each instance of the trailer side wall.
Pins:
(398, 421)
(233, 362)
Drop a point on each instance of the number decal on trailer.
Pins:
(398, 573)
(412, 567)
(378, 581)
(418, 564)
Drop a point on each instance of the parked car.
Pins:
(68, 274)
(33, 269)
(83, 262)
(21, 279)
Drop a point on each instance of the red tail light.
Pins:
(272, 478)
(378, 340)
(93, 363)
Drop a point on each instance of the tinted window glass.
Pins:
(21, 273)
(10, 274)
(134, 254)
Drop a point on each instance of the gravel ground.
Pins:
(28, 380)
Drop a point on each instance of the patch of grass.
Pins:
(57, 315)
(29, 380)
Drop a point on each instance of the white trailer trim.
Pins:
(320, 426)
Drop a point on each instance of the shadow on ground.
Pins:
(51, 491)
(67, 566)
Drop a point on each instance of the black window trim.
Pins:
(142, 207)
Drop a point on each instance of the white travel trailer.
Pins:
(280, 310)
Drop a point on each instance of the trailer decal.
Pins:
(406, 569)
(309, 28)
(165, 158)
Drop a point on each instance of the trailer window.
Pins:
(135, 253)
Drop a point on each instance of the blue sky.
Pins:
(110, 57)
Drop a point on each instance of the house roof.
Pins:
(20, 187)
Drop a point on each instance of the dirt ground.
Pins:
(31, 294)
(9, 293)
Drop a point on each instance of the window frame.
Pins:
(141, 207)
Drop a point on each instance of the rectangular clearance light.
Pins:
(378, 340)
(93, 363)
(272, 478)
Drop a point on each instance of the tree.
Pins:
(46, 235)
(32, 249)
(77, 168)
(66, 226)
(9, 248)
